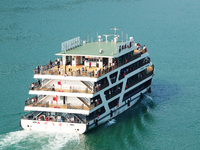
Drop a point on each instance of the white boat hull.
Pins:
(49, 126)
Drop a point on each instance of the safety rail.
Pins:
(85, 101)
(52, 71)
(34, 100)
(62, 117)
(59, 106)
(71, 90)
(142, 77)
(43, 68)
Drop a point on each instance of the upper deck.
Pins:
(93, 60)
(110, 49)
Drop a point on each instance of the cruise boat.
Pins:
(88, 84)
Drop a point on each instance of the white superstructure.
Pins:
(89, 84)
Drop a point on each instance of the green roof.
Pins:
(110, 49)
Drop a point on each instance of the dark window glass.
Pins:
(113, 103)
(136, 90)
(113, 91)
(113, 77)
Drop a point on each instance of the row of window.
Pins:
(96, 100)
(114, 103)
(137, 78)
(97, 113)
(113, 77)
(137, 90)
(101, 84)
(132, 67)
(113, 91)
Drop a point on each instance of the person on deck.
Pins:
(90, 64)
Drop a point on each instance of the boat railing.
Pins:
(141, 77)
(58, 106)
(34, 100)
(44, 68)
(43, 116)
(48, 69)
(72, 89)
(70, 106)
(31, 116)
(81, 118)
(35, 86)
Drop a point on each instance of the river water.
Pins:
(31, 33)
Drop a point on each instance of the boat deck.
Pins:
(73, 90)
(77, 70)
(59, 106)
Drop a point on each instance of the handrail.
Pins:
(34, 100)
(142, 78)
(49, 70)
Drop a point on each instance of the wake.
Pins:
(37, 140)
(111, 122)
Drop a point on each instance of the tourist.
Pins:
(77, 70)
(35, 99)
(83, 69)
(58, 60)
(38, 69)
(96, 73)
(32, 86)
(61, 63)
(39, 83)
(50, 63)
(53, 89)
(69, 67)
(61, 71)
(90, 64)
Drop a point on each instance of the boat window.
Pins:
(137, 78)
(96, 100)
(113, 77)
(133, 67)
(136, 90)
(101, 84)
(113, 91)
(97, 113)
(113, 103)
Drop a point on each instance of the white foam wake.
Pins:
(12, 138)
(37, 140)
(110, 122)
(149, 97)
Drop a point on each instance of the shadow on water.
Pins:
(127, 127)
(134, 124)
(164, 91)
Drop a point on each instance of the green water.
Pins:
(31, 33)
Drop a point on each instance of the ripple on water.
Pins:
(37, 140)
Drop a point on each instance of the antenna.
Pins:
(126, 37)
(122, 35)
(115, 29)
(106, 36)
(88, 39)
